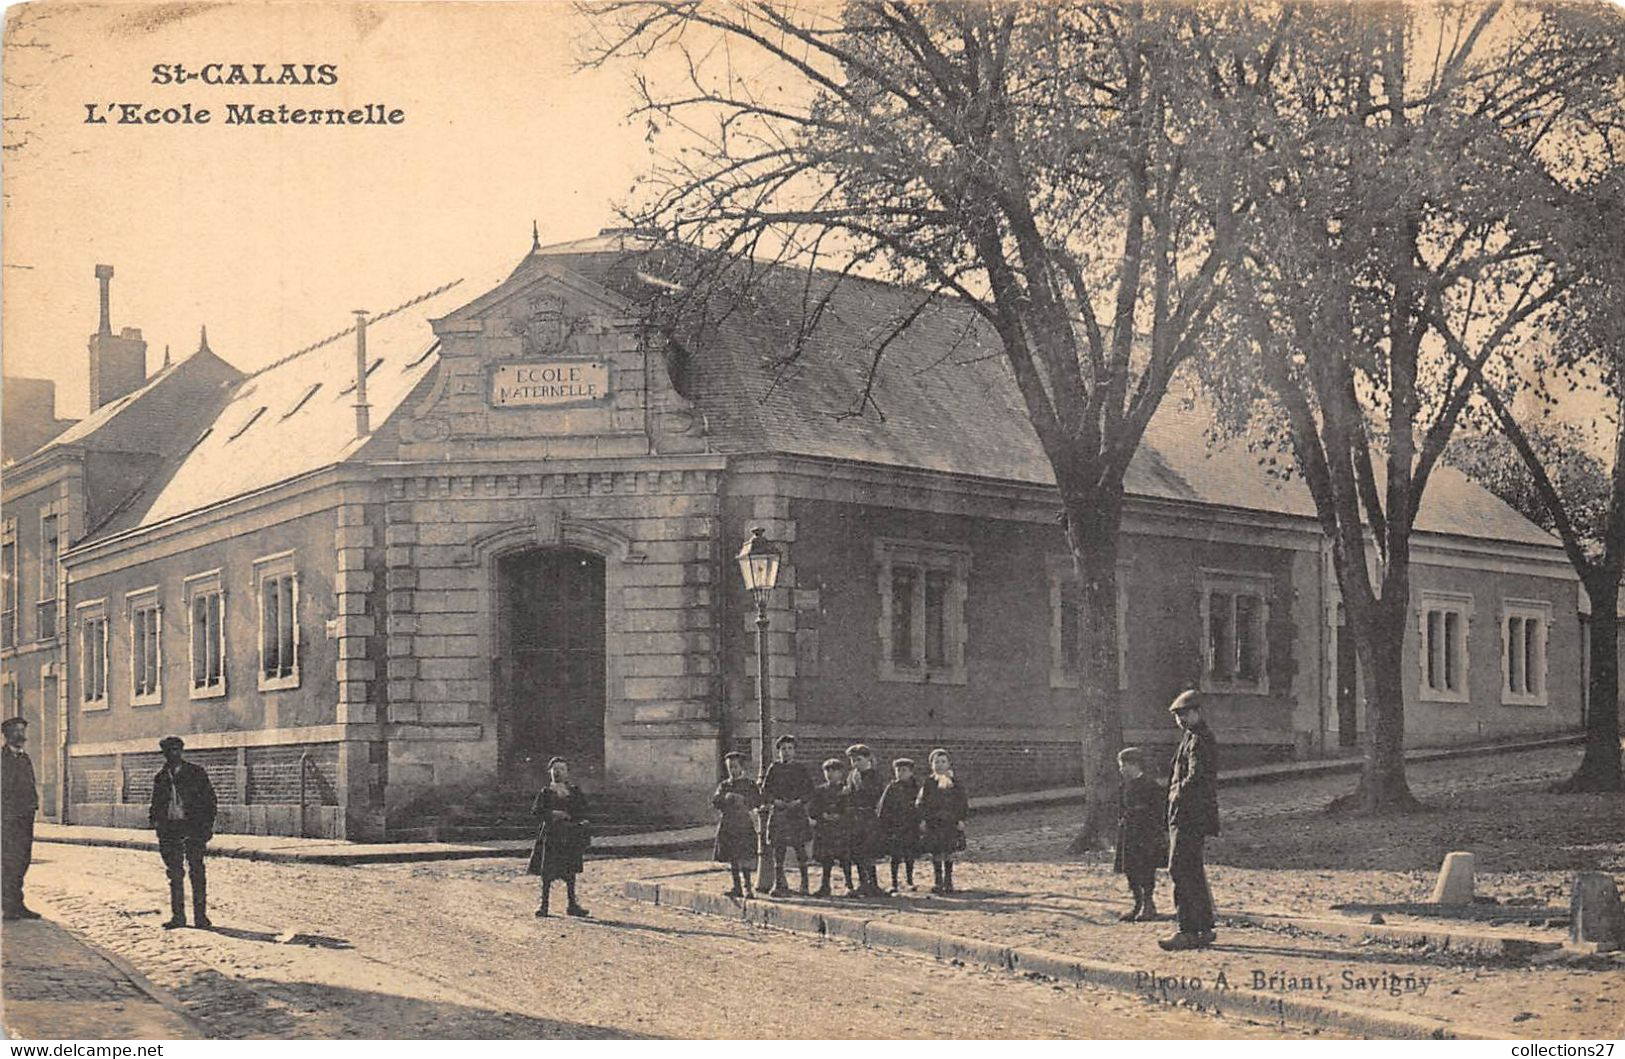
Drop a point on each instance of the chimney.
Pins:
(104, 279)
(118, 362)
(362, 426)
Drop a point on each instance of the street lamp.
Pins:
(759, 566)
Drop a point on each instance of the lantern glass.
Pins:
(759, 564)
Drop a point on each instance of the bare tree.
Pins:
(1070, 172)
(1406, 235)
(1542, 466)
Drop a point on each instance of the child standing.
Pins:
(827, 808)
(736, 796)
(864, 788)
(1142, 834)
(785, 790)
(899, 820)
(943, 806)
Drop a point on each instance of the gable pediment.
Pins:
(547, 364)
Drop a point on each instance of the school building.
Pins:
(378, 582)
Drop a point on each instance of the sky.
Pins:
(271, 236)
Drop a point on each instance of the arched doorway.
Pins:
(550, 662)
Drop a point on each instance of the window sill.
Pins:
(1221, 687)
(155, 699)
(894, 675)
(1429, 695)
(1536, 701)
(95, 706)
(279, 683)
(1060, 680)
(216, 692)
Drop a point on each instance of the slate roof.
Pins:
(945, 400)
(297, 414)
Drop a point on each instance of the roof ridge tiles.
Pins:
(336, 335)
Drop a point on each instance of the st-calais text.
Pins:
(247, 74)
(241, 114)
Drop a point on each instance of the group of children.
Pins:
(852, 819)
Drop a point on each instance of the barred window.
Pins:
(1235, 631)
(278, 591)
(922, 591)
(206, 621)
(93, 654)
(146, 648)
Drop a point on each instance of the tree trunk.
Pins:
(1379, 639)
(1383, 787)
(1600, 767)
(1093, 530)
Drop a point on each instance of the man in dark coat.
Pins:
(19, 800)
(183, 811)
(1193, 815)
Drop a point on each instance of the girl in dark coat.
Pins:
(735, 799)
(943, 806)
(562, 838)
(827, 809)
(863, 790)
(900, 820)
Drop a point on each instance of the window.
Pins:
(1067, 649)
(1524, 627)
(50, 550)
(8, 586)
(146, 648)
(277, 588)
(93, 654)
(1442, 624)
(922, 597)
(1235, 632)
(205, 618)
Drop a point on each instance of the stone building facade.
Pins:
(379, 582)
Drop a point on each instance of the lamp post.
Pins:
(759, 566)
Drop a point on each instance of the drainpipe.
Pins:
(362, 426)
(304, 764)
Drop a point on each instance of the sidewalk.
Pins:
(1452, 980)
(57, 986)
(677, 840)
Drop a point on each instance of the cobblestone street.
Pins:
(452, 950)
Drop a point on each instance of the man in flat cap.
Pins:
(183, 809)
(1193, 815)
(19, 800)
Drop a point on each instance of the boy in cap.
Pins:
(899, 822)
(183, 811)
(864, 788)
(785, 790)
(18, 804)
(736, 797)
(827, 809)
(1193, 815)
(1142, 835)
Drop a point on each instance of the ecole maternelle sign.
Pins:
(553, 382)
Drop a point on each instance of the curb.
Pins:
(1298, 1011)
(124, 967)
(1414, 936)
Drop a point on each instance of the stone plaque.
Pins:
(529, 384)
